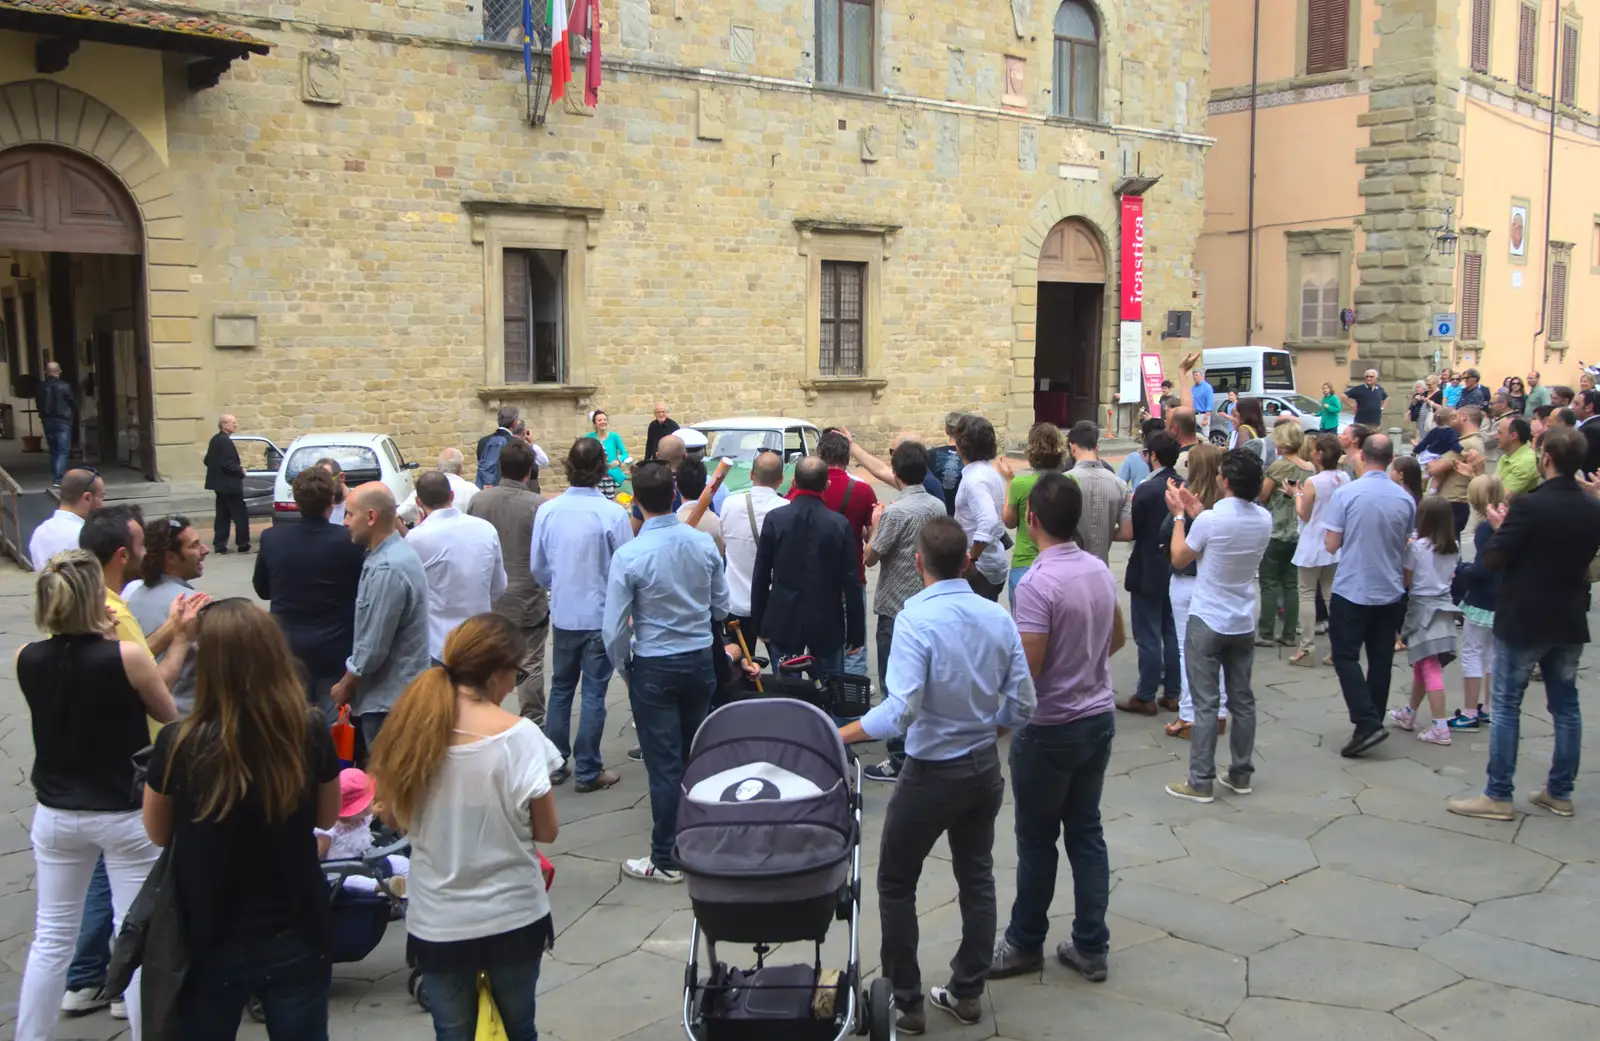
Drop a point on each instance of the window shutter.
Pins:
(1327, 35)
(1569, 64)
(1557, 331)
(518, 301)
(1471, 293)
(1480, 35)
(1527, 44)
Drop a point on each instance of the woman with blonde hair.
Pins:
(88, 696)
(1279, 577)
(470, 782)
(1047, 450)
(236, 790)
(1205, 467)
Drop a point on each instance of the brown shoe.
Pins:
(603, 780)
(1167, 704)
(1178, 729)
(1134, 705)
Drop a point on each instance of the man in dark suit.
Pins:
(225, 477)
(806, 591)
(1543, 543)
(1147, 578)
(1586, 406)
(310, 571)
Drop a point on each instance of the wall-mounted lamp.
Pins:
(1444, 236)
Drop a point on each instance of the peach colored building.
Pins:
(1382, 128)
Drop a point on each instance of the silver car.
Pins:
(1281, 403)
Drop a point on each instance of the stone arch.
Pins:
(43, 112)
(1096, 209)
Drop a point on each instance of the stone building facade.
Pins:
(347, 231)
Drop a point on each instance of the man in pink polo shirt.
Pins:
(1066, 611)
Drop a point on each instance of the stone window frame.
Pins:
(1570, 19)
(501, 225)
(1559, 253)
(824, 240)
(1302, 33)
(1538, 28)
(1298, 243)
(1594, 246)
(1474, 240)
(1469, 23)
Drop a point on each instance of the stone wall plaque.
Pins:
(234, 331)
(871, 143)
(1027, 148)
(1021, 17)
(1015, 94)
(321, 77)
(958, 87)
(711, 121)
(742, 44)
(986, 139)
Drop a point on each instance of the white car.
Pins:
(362, 457)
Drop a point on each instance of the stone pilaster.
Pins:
(1412, 175)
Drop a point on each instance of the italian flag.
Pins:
(560, 51)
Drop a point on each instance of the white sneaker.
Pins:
(81, 1002)
(119, 1009)
(645, 869)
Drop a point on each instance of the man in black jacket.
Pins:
(310, 572)
(1543, 544)
(58, 409)
(659, 427)
(225, 477)
(1147, 578)
(806, 592)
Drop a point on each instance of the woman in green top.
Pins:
(1329, 413)
(1047, 449)
(617, 455)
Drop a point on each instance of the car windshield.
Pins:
(357, 461)
(1302, 403)
(743, 445)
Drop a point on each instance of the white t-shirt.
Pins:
(1430, 572)
(57, 534)
(1230, 539)
(474, 869)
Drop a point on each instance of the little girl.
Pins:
(351, 835)
(1477, 608)
(1429, 631)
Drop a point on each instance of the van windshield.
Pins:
(358, 462)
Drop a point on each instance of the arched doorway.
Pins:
(1072, 281)
(74, 294)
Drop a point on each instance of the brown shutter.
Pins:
(1557, 331)
(1480, 35)
(1327, 35)
(1471, 293)
(1569, 65)
(518, 301)
(1527, 45)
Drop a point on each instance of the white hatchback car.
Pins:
(362, 457)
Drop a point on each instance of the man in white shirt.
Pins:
(82, 491)
(742, 518)
(450, 463)
(1228, 540)
(979, 501)
(461, 556)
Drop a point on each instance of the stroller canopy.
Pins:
(765, 794)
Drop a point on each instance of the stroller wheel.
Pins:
(415, 988)
(880, 1010)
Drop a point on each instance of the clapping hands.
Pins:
(1180, 500)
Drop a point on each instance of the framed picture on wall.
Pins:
(1519, 230)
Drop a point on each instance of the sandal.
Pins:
(1178, 729)
(1327, 659)
(1304, 659)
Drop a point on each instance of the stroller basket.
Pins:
(849, 696)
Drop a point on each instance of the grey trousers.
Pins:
(1206, 654)
(530, 692)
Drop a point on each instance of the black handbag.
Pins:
(152, 938)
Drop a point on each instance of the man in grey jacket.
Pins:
(391, 641)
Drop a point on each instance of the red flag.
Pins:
(591, 78)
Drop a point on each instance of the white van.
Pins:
(1248, 369)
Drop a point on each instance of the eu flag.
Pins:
(527, 40)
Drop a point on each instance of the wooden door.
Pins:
(55, 201)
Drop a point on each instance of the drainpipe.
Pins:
(1250, 205)
(1549, 192)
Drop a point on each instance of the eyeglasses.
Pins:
(176, 523)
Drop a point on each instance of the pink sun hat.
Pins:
(355, 792)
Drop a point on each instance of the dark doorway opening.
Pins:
(1066, 364)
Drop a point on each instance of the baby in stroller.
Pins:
(351, 839)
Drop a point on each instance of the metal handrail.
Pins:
(11, 520)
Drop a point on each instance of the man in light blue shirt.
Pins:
(666, 590)
(1204, 399)
(1369, 522)
(575, 535)
(951, 698)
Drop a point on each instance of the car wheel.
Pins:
(1219, 439)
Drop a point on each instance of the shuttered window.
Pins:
(843, 312)
(1471, 293)
(1527, 45)
(1327, 35)
(1480, 35)
(1557, 331)
(1319, 296)
(534, 317)
(1569, 64)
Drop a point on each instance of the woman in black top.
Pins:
(236, 790)
(88, 695)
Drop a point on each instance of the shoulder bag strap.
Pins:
(844, 504)
(750, 511)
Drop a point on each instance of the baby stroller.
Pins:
(840, 694)
(769, 836)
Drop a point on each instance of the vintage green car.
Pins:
(741, 439)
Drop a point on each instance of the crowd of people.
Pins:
(418, 620)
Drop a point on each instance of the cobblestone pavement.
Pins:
(1340, 898)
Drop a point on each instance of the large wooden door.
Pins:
(1072, 277)
(58, 202)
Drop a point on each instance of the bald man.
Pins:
(391, 634)
(672, 451)
(659, 427)
(58, 410)
(450, 463)
(225, 479)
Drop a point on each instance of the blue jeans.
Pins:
(1057, 773)
(895, 745)
(58, 438)
(1513, 666)
(575, 654)
(453, 1000)
(286, 972)
(670, 696)
(1156, 637)
(93, 956)
(1011, 586)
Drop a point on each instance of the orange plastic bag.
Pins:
(344, 738)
